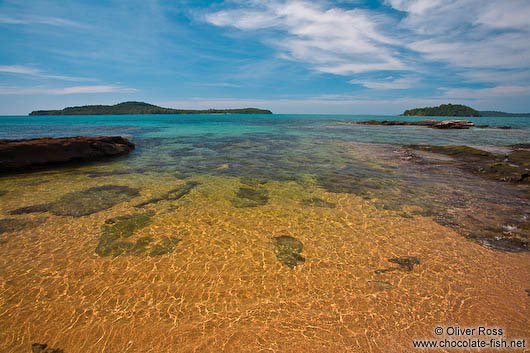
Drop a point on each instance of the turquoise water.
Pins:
(314, 126)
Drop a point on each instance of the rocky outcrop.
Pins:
(435, 124)
(18, 155)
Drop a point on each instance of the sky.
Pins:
(291, 56)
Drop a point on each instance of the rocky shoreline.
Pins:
(22, 155)
(434, 124)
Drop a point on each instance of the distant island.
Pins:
(458, 110)
(503, 114)
(136, 108)
(443, 110)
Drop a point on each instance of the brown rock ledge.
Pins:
(19, 155)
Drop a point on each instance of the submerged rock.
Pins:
(405, 263)
(85, 202)
(288, 249)
(165, 246)
(172, 195)
(511, 167)
(8, 225)
(18, 155)
(43, 348)
(116, 230)
(316, 202)
(247, 197)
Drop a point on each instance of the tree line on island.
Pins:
(458, 110)
(138, 108)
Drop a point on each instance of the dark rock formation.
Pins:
(17, 155)
(435, 124)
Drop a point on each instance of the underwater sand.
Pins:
(279, 245)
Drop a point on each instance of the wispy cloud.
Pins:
(24, 70)
(52, 21)
(331, 40)
(67, 90)
(388, 83)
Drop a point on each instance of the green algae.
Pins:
(287, 249)
(172, 195)
(317, 202)
(247, 197)
(253, 182)
(165, 246)
(9, 225)
(116, 230)
(85, 202)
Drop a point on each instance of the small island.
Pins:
(460, 110)
(443, 110)
(139, 108)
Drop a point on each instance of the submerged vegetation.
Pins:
(288, 249)
(443, 110)
(247, 197)
(139, 108)
(85, 202)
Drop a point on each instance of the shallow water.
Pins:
(257, 233)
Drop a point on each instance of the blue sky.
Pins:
(292, 56)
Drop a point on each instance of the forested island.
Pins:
(503, 114)
(443, 110)
(459, 110)
(137, 108)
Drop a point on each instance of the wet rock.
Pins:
(453, 124)
(288, 249)
(19, 155)
(172, 195)
(316, 202)
(513, 167)
(43, 348)
(85, 202)
(436, 124)
(8, 225)
(247, 197)
(166, 246)
(115, 230)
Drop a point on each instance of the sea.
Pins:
(261, 233)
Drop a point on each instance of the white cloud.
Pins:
(24, 70)
(66, 90)
(389, 83)
(332, 40)
(26, 20)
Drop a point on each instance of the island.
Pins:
(491, 113)
(460, 110)
(140, 108)
(443, 110)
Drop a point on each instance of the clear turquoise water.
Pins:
(281, 125)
